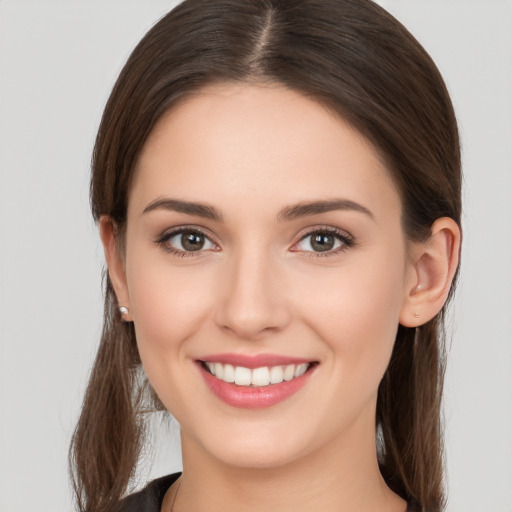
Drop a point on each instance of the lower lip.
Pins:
(253, 397)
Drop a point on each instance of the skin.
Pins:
(258, 286)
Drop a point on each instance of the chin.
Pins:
(250, 457)
(256, 448)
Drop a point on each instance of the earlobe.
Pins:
(115, 264)
(433, 269)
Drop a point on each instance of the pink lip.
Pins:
(256, 361)
(249, 397)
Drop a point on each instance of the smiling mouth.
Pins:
(255, 377)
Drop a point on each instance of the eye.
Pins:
(186, 240)
(329, 241)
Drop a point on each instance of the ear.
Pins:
(115, 263)
(431, 273)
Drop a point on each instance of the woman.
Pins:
(277, 187)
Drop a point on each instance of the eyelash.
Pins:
(163, 240)
(347, 241)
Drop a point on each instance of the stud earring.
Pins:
(416, 315)
(123, 310)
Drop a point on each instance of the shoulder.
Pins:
(150, 498)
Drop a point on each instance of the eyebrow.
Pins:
(190, 208)
(304, 209)
(288, 213)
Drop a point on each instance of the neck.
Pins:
(342, 475)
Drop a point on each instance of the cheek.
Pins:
(168, 304)
(356, 310)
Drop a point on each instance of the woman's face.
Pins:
(264, 235)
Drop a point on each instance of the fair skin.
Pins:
(260, 284)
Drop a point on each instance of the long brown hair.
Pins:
(354, 58)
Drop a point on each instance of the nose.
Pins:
(253, 299)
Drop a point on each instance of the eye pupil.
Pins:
(192, 241)
(322, 242)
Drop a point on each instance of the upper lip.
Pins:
(254, 361)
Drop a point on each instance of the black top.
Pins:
(151, 497)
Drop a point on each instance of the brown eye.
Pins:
(192, 241)
(322, 242)
(186, 241)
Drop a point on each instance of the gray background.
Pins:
(58, 61)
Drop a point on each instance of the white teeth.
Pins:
(211, 367)
(260, 377)
(219, 371)
(276, 374)
(229, 373)
(301, 369)
(242, 376)
(289, 372)
(263, 376)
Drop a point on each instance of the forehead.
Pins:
(258, 141)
